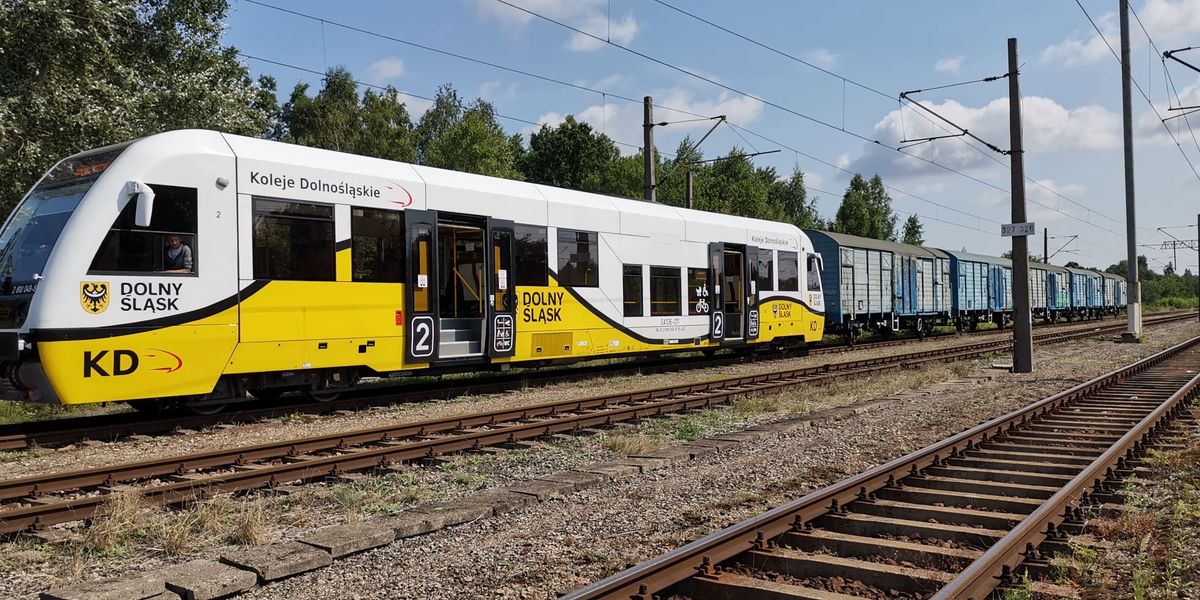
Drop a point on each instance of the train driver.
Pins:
(177, 257)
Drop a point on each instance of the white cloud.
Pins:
(386, 69)
(949, 65)
(1170, 22)
(822, 58)
(1048, 128)
(587, 15)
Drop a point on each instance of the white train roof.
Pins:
(517, 200)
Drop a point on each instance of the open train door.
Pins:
(751, 293)
(420, 290)
(502, 321)
(716, 260)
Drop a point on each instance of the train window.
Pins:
(293, 240)
(377, 245)
(766, 270)
(632, 276)
(699, 298)
(578, 258)
(789, 272)
(168, 245)
(664, 291)
(814, 273)
(531, 255)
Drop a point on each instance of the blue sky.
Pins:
(1069, 81)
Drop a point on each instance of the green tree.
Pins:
(79, 74)
(914, 231)
(453, 135)
(734, 187)
(866, 210)
(789, 198)
(571, 155)
(336, 118)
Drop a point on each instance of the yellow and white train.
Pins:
(193, 267)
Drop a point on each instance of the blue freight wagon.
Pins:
(1114, 292)
(1039, 275)
(1058, 292)
(881, 285)
(1086, 294)
(983, 288)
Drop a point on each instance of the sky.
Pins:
(818, 81)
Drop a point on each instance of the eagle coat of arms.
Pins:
(93, 296)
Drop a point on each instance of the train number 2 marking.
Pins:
(422, 336)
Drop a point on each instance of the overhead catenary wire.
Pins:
(605, 93)
(880, 93)
(792, 111)
(404, 93)
(1140, 90)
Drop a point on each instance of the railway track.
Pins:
(110, 427)
(45, 500)
(963, 518)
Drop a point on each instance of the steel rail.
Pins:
(66, 430)
(702, 556)
(304, 466)
(997, 564)
(179, 465)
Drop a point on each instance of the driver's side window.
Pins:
(167, 246)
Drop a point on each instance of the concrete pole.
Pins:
(648, 148)
(1046, 245)
(1133, 332)
(690, 177)
(1022, 315)
(1197, 266)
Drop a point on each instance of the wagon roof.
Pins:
(854, 241)
(983, 258)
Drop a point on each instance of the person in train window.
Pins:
(178, 256)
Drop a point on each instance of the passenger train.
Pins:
(195, 268)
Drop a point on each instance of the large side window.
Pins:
(531, 255)
(578, 258)
(168, 245)
(789, 272)
(664, 292)
(293, 240)
(699, 301)
(632, 284)
(766, 270)
(377, 251)
(814, 273)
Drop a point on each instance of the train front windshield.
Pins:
(35, 226)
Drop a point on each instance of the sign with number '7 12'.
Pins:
(1017, 229)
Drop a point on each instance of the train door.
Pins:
(734, 284)
(751, 292)
(716, 277)
(420, 302)
(502, 304)
(462, 284)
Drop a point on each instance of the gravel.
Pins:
(561, 545)
(566, 543)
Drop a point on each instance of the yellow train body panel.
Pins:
(169, 361)
(298, 325)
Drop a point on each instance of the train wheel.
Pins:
(269, 395)
(325, 395)
(204, 409)
(148, 407)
